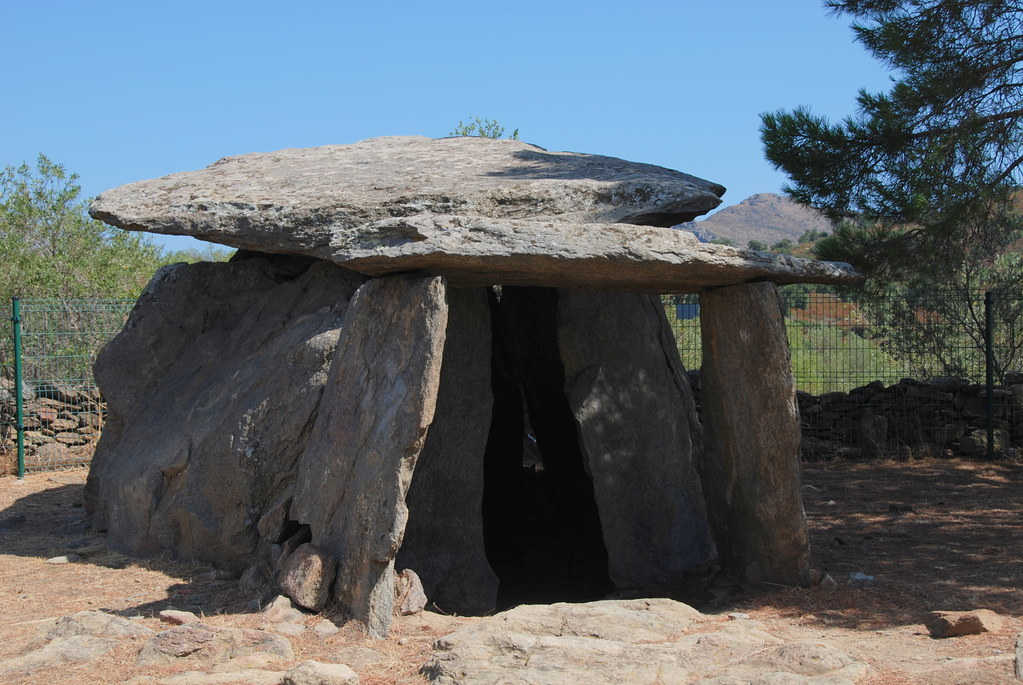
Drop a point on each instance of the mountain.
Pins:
(766, 217)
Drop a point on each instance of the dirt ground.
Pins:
(933, 535)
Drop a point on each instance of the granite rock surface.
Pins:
(478, 211)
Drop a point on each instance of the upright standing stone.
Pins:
(211, 389)
(444, 538)
(639, 431)
(751, 469)
(376, 408)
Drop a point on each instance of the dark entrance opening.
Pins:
(541, 526)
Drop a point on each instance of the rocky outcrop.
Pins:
(81, 637)
(630, 641)
(370, 428)
(751, 466)
(477, 210)
(212, 388)
(639, 432)
(206, 643)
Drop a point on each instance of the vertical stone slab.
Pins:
(376, 408)
(212, 387)
(639, 431)
(444, 538)
(751, 470)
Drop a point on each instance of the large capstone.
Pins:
(212, 387)
(477, 210)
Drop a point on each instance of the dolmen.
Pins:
(450, 356)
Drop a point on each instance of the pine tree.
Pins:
(923, 174)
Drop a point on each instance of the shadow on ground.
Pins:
(936, 534)
(53, 523)
(941, 534)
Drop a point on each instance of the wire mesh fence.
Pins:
(852, 359)
(844, 340)
(905, 374)
(62, 411)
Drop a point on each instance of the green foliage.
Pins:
(830, 358)
(928, 167)
(482, 128)
(796, 296)
(723, 241)
(811, 236)
(940, 331)
(826, 356)
(783, 246)
(757, 245)
(209, 252)
(52, 248)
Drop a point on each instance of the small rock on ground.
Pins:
(177, 618)
(324, 627)
(957, 623)
(318, 673)
(280, 610)
(306, 576)
(409, 596)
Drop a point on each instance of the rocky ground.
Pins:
(894, 542)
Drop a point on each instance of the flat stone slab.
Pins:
(343, 186)
(479, 211)
(629, 641)
(482, 251)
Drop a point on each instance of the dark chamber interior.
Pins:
(541, 525)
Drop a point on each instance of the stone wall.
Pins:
(62, 425)
(944, 417)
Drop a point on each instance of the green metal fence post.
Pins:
(18, 404)
(989, 364)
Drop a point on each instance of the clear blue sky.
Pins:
(122, 91)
